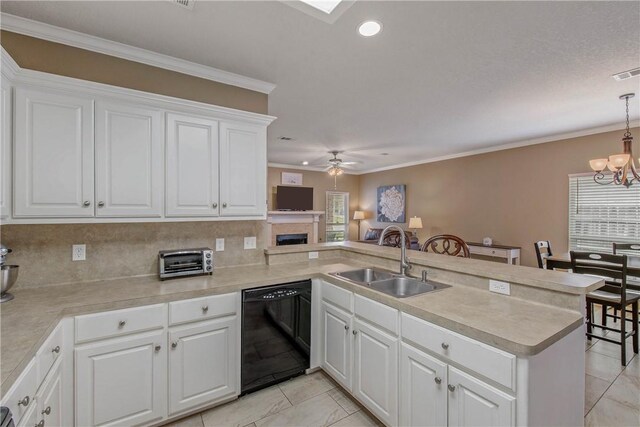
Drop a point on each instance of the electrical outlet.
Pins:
(313, 255)
(78, 252)
(219, 245)
(250, 242)
(499, 287)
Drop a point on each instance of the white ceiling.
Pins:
(442, 78)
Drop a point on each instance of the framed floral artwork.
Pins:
(391, 203)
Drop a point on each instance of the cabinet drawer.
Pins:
(119, 322)
(24, 390)
(486, 251)
(202, 308)
(337, 296)
(50, 351)
(377, 313)
(486, 360)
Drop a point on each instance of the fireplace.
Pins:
(292, 239)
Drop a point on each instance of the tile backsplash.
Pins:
(43, 252)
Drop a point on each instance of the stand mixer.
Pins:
(8, 274)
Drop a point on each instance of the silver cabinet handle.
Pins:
(346, 327)
(122, 323)
(215, 205)
(101, 204)
(438, 380)
(451, 387)
(56, 349)
(445, 346)
(158, 347)
(86, 204)
(47, 411)
(24, 401)
(355, 332)
(224, 205)
(40, 424)
(205, 308)
(174, 344)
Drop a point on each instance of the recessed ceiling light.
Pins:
(369, 28)
(305, 163)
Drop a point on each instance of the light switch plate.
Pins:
(499, 287)
(250, 242)
(313, 255)
(219, 245)
(78, 252)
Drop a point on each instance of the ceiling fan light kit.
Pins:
(621, 165)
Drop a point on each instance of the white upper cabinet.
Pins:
(243, 170)
(129, 161)
(54, 156)
(192, 166)
(5, 149)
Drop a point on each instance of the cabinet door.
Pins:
(423, 391)
(5, 149)
(50, 406)
(122, 381)
(192, 166)
(375, 380)
(474, 403)
(53, 169)
(243, 170)
(129, 161)
(337, 344)
(202, 363)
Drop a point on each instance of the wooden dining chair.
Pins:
(629, 249)
(613, 268)
(543, 251)
(393, 239)
(446, 244)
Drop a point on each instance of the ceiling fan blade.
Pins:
(351, 163)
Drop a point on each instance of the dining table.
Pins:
(563, 262)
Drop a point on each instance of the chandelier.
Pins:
(621, 165)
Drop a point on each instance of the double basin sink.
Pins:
(389, 283)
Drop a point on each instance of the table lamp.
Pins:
(415, 223)
(358, 216)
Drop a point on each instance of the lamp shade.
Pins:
(415, 222)
(358, 215)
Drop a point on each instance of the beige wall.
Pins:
(41, 55)
(515, 196)
(321, 183)
(43, 252)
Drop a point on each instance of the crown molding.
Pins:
(55, 34)
(308, 168)
(518, 144)
(18, 76)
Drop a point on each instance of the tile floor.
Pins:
(612, 399)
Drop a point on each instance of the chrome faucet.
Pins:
(404, 261)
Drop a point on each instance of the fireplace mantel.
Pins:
(293, 222)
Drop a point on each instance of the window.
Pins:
(337, 216)
(602, 214)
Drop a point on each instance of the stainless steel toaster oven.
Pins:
(185, 262)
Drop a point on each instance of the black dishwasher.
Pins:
(276, 334)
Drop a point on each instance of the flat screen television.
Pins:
(294, 198)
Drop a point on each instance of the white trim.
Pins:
(88, 88)
(525, 143)
(309, 168)
(103, 220)
(55, 34)
(10, 68)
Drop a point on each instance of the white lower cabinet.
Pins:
(337, 344)
(50, 401)
(203, 362)
(375, 379)
(423, 392)
(474, 403)
(122, 381)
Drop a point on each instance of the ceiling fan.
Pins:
(336, 165)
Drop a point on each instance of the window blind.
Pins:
(602, 214)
